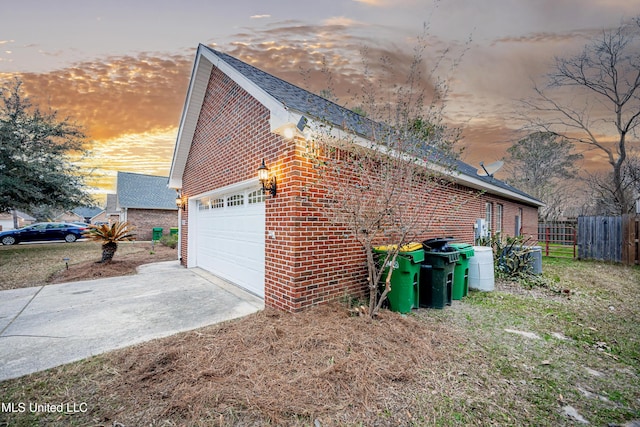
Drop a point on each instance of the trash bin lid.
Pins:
(465, 249)
(413, 250)
(447, 257)
(409, 247)
(437, 244)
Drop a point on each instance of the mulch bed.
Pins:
(122, 264)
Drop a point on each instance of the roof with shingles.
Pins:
(312, 105)
(140, 191)
(87, 211)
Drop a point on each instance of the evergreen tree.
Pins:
(35, 155)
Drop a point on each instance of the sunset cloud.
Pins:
(130, 105)
(122, 95)
(341, 21)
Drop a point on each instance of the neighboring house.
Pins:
(146, 202)
(86, 214)
(281, 248)
(110, 213)
(91, 214)
(68, 216)
(6, 220)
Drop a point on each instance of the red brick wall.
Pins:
(310, 260)
(144, 220)
(328, 264)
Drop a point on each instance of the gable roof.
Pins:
(290, 105)
(140, 191)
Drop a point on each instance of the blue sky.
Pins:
(121, 68)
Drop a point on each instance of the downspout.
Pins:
(180, 235)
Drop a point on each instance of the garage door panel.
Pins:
(230, 238)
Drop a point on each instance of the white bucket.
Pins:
(481, 269)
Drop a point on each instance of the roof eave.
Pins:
(457, 176)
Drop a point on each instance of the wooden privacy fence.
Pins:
(609, 238)
(630, 237)
(600, 238)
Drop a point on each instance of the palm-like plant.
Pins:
(110, 235)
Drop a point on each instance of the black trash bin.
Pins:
(437, 273)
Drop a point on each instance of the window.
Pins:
(518, 230)
(499, 209)
(217, 203)
(235, 200)
(204, 204)
(488, 216)
(257, 196)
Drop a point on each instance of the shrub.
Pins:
(109, 235)
(170, 240)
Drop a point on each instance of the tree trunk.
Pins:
(108, 251)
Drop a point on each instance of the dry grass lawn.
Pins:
(466, 365)
(28, 265)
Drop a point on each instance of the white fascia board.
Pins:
(188, 121)
(478, 184)
(319, 130)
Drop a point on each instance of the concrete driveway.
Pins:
(52, 325)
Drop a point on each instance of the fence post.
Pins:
(575, 240)
(546, 240)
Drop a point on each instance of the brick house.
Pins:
(281, 248)
(6, 220)
(145, 202)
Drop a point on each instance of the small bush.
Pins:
(513, 260)
(170, 240)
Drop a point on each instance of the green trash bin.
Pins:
(157, 233)
(173, 231)
(461, 270)
(405, 279)
(436, 278)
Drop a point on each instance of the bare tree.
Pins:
(395, 145)
(604, 87)
(604, 201)
(543, 165)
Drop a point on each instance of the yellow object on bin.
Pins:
(409, 247)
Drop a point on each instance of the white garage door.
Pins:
(229, 235)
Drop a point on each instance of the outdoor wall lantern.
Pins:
(268, 184)
(180, 202)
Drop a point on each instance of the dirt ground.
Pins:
(124, 263)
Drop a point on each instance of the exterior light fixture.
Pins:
(268, 184)
(289, 132)
(180, 203)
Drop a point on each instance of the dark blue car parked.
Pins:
(43, 231)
